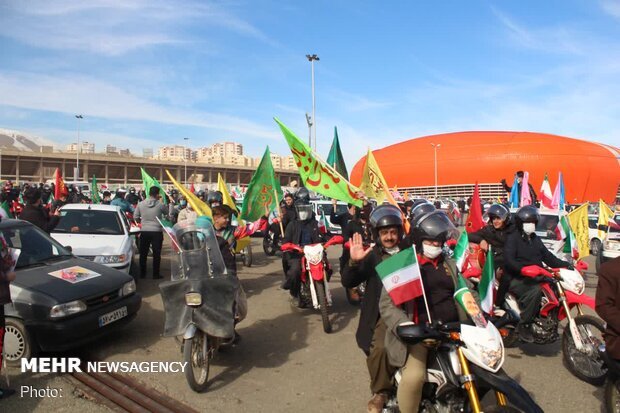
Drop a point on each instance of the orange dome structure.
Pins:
(591, 170)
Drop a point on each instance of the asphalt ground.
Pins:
(284, 362)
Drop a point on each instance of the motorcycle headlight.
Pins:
(112, 259)
(65, 309)
(193, 299)
(128, 288)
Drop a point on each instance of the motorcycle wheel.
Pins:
(268, 245)
(612, 395)
(247, 256)
(587, 367)
(196, 355)
(320, 293)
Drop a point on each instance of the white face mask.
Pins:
(431, 251)
(392, 250)
(529, 227)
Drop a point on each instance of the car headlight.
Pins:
(112, 259)
(65, 309)
(128, 288)
(193, 299)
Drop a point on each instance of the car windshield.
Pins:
(546, 227)
(89, 221)
(35, 246)
(327, 209)
(615, 228)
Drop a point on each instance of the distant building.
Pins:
(46, 149)
(223, 149)
(111, 150)
(124, 152)
(87, 147)
(176, 153)
(147, 153)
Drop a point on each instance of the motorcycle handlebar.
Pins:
(289, 246)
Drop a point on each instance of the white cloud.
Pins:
(100, 99)
(611, 7)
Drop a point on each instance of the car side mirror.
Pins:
(69, 248)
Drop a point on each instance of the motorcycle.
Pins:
(269, 245)
(199, 300)
(464, 364)
(315, 273)
(583, 334)
(612, 382)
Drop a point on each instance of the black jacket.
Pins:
(293, 231)
(496, 238)
(289, 216)
(340, 219)
(38, 216)
(521, 251)
(354, 275)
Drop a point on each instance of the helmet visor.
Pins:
(385, 213)
(437, 226)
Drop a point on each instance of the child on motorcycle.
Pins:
(439, 278)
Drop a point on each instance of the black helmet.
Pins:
(215, 197)
(528, 213)
(420, 210)
(436, 226)
(302, 196)
(386, 216)
(132, 190)
(498, 210)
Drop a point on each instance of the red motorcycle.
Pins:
(315, 287)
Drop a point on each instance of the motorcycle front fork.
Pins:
(470, 387)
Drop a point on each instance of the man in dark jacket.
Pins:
(388, 231)
(289, 214)
(303, 231)
(494, 234)
(525, 249)
(608, 304)
(35, 213)
(519, 181)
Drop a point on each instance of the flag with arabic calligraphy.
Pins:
(317, 175)
(260, 191)
(373, 183)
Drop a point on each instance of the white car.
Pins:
(611, 245)
(326, 207)
(99, 233)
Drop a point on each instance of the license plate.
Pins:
(112, 316)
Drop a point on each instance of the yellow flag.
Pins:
(578, 220)
(200, 207)
(373, 183)
(605, 214)
(221, 186)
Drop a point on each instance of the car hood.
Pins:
(84, 244)
(37, 279)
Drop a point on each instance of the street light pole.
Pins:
(77, 152)
(185, 158)
(437, 146)
(312, 58)
(309, 120)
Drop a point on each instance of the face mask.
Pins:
(431, 251)
(529, 228)
(304, 215)
(391, 251)
(183, 203)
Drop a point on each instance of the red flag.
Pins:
(474, 218)
(60, 189)
(192, 189)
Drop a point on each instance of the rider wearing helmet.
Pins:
(387, 229)
(524, 248)
(303, 231)
(120, 201)
(440, 280)
(215, 198)
(132, 197)
(494, 234)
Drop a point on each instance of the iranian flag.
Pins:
(546, 196)
(167, 227)
(323, 224)
(570, 246)
(461, 251)
(401, 277)
(487, 281)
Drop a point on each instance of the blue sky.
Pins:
(147, 73)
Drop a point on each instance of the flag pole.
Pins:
(275, 194)
(428, 313)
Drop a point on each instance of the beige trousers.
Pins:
(412, 380)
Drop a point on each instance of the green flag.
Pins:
(461, 251)
(260, 193)
(485, 288)
(148, 181)
(335, 159)
(6, 208)
(316, 174)
(94, 191)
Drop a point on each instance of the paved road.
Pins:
(285, 362)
